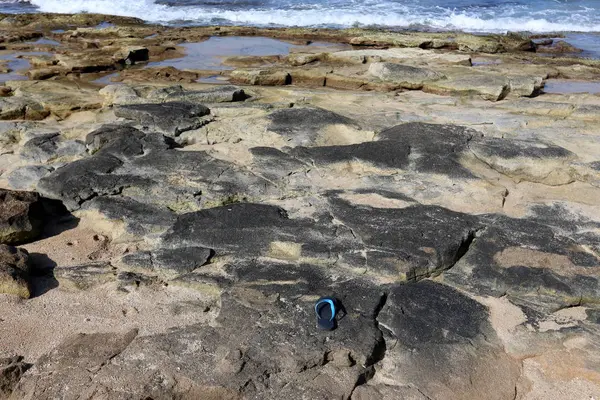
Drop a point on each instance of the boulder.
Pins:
(131, 55)
(21, 216)
(14, 272)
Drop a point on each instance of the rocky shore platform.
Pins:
(174, 200)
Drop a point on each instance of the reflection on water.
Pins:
(18, 65)
(565, 86)
(208, 54)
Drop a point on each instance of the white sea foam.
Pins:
(379, 13)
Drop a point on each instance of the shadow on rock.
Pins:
(57, 219)
(42, 278)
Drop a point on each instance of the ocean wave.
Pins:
(380, 14)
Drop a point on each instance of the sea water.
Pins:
(465, 15)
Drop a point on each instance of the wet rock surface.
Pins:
(426, 181)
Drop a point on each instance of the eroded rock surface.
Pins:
(426, 181)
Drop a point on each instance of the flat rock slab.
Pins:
(536, 262)
(408, 76)
(67, 370)
(302, 125)
(527, 160)
(219, 94)
(442, 342)
(145, 175)
(166, 263)
(488, 87)
(170, 118)
(267, 336)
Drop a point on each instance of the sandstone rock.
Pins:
(408, 56)
(14, 272)
(43, 73)
(66, 371)
(219, 94)
(153, 74)
(488, 87)
(526, 160)
(171, 118)
(560, 46)
(92, 61)
(261, 77)
(60, 98)
(21, 216)
(21, 108)
(240, 351)
(409, 77)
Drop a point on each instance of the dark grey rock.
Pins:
(41, 148)
(441, 341)
(301, 126)
(532, 263)
(514, 148)
(26, 178)
(384, 154)
(434, 148)
(84, 277)
(171, 118)
(46, 147)
(414, 242)
(169, 263)
(140, 219)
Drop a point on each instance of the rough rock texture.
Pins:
(11, 371)
(426, 181)
(21, 216)
(14, 272)
(171, 118)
